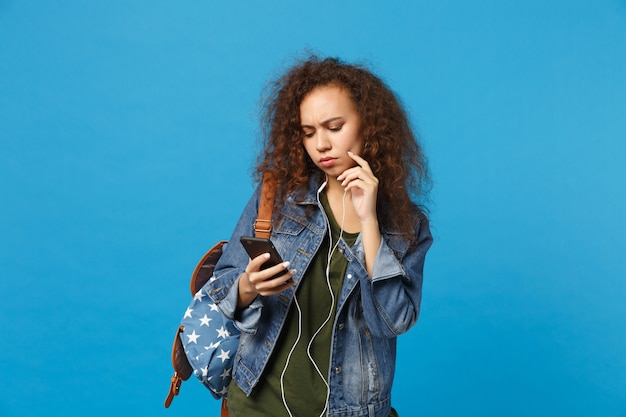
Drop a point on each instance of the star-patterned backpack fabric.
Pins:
(210, 341)
(206, 341)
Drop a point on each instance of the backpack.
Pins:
(222, 336)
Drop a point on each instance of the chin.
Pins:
(332, 171)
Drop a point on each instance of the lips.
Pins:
(327, 161)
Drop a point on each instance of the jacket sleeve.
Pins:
(391, 297)
(223, 286)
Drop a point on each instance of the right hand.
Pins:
(255, 281)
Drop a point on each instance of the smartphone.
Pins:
(255, 246)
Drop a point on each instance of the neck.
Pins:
(339, 201)
(333, 186)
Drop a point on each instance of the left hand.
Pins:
(363, 186)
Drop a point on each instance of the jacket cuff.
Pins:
(386, 264)
(246, 319)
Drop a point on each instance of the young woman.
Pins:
(319, 338)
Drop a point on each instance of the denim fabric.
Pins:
(371, 311)
(210, 341)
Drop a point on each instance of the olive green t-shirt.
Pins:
(303, 388)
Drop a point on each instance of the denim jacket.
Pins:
(371, 311)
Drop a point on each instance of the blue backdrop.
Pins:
(127, 129)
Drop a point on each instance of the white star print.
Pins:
(204, 311)
(193, 337)
(226, 373)
(222, 332)
(204, 321)
(224, 355)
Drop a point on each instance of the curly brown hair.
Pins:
(392, 149)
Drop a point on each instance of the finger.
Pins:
(362, 162)
(362, 167)
(275, 270)
(282, 280)
(255, 264)
(359, 184)
(267, 273)
(354, 174)
(278, 284)
(351, 173)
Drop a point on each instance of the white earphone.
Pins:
(331, 250)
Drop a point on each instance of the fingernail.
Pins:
(286, 264)
(266, 255)
(293, 271)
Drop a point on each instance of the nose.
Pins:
(321, 141)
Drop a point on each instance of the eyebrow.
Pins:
(327, 121)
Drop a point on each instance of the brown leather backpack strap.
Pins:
(224, 410)
(182, 368)
(263, 223)
(203, 271)
(262, 228)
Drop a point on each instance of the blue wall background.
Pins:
(127, 129)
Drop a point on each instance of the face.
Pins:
(330, 126)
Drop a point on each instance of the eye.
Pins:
(308, 133)
(335, 128)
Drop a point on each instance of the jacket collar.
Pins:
(310, 195)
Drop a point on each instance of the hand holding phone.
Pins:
(256, 246)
